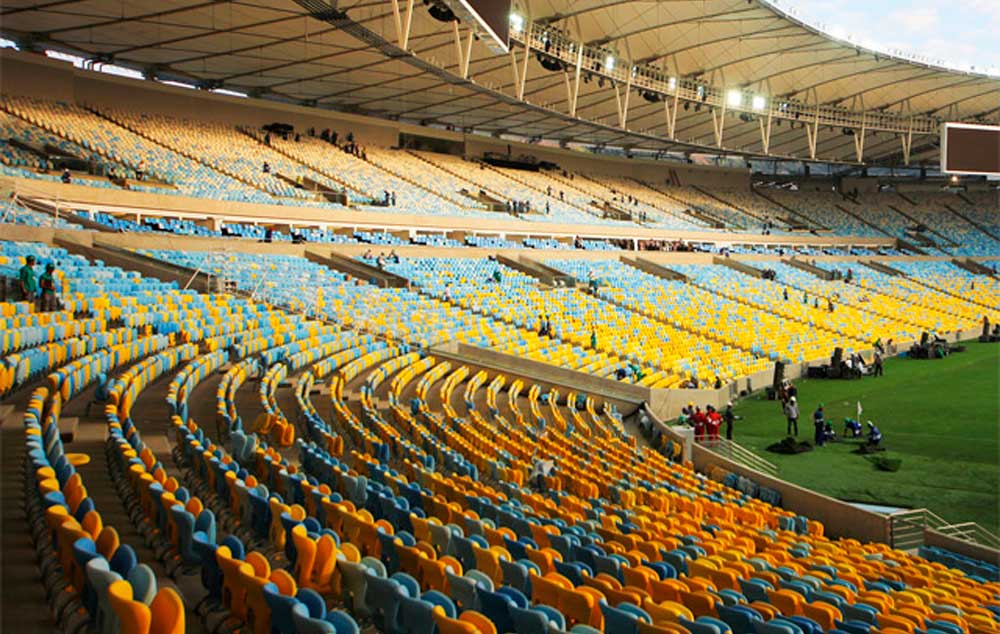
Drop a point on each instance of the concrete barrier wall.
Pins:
(625, 393)
(962, 547)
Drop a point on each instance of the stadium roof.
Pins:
(349, 55)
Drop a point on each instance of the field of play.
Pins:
(940, 417)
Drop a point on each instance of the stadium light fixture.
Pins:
(758, 102)
(734, 98)
(609, 63)
(516, 22)
(672, 83)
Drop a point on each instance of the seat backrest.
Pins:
(133, 617)
(168, 613)
(143, 581)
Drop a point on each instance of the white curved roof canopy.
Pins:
(349, 57)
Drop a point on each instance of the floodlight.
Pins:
(516, 22)
(609, 63)
(734, 98)
(759, 103)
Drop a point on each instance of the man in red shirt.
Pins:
(713, 423)
(700, 420)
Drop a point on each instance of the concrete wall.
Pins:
(132, 203)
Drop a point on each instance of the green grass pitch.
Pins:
(940, 417)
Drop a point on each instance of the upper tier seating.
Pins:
(299, 284)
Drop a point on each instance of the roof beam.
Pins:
(138, 18)
(603, 41)
(700, 44)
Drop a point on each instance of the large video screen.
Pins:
(494, 16)
(970, 149)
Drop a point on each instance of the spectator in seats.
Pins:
(829, 304)
(792, 414)
(540, 470)
(548, 190)
(394, 256)
(805, 297)
(729, 416)
(850, 275)
(140, 171)
(547, 209)
(380, 261)
(333, 136)
(543, 329)
(350, 136)
(268, 234)
(593, 338)
(368, 254)
(819, 425)
(47, 285)
(28, 280)
(497, 275)
(385, 195)
(637, 372)
(592, 281)
(297, 137)
(266, 168)
(577, 243)
(784, 294)
(878, 370)
(560, 194)
(879, 346)
(718, 383)
(621, 373)
(446, 296)
(66, 176)
(267, 139)
(392, 197)
(874, 435)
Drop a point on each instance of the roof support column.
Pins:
(468, 55)
(859, 138)
(765, 131)
(812, 133)
(907, 138)
(671, 112)
(402, 28)
(623, 103)
(576, 82)
(719, 123)
(514, 68)
(524, 68)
